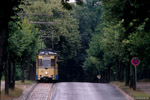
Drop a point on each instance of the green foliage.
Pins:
(24, 42)
(18, 74)
(23, 38)
(66, 27)
(88, 17)
(123, 34)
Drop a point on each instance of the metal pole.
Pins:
(135, 76)
(52, 41)
(41, 44)
(41, 40)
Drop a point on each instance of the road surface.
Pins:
(85, 91)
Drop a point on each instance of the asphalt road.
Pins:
(85, 91)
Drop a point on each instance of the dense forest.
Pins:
(91, 37)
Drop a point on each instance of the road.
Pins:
(85, 91)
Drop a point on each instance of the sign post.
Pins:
(135, 61)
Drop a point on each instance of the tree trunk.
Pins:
(22, 70)
(0, 88)
(3, 35)
(134, 78)
(34, 70)
(1, 70)
(3, 38)
(109, 73)
(127, 75)
(31, 73)
(29, 69)
(9, 73)
(105, 76)
(117, 70)
(7, 76)
(14, 75)
(122, 73)
(0, 79)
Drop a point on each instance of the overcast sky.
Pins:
(71, 0)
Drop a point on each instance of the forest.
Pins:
(91, 37)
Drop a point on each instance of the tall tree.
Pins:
(6, 10)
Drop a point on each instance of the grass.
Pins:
(16, 92)
(144, 80)
(12, 94)
(137, 95)
(27, 82)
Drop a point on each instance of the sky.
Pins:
(71, 1)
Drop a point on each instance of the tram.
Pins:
(46, 66)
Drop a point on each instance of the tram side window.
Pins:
(52, 62)
(40, 62)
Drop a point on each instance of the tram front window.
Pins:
(46, 62)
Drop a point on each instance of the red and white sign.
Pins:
(135, 61)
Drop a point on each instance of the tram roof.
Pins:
(47, 52)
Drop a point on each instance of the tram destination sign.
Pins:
(135, 61)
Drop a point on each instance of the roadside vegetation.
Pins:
(12, 94)
(17, 91)
(137, 95)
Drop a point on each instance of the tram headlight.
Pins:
(46, 73)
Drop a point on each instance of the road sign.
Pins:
(99, 76)
(135, 61)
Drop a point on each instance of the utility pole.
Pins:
(43, 37)
(52, 39)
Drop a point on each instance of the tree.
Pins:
(94, 62)
(7, 10)
(23, 39)
(88, 17)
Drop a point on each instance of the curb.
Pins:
(124, 93)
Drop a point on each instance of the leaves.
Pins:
(23, 38)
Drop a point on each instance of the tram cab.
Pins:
(46, 66)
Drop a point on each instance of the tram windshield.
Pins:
(46, 62)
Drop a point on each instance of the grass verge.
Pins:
(17, 91)
(27, 82)
(144, 80)
(12, 94)
(137, 95)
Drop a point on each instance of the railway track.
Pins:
(40, 91)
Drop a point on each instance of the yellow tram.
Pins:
(46, 66)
